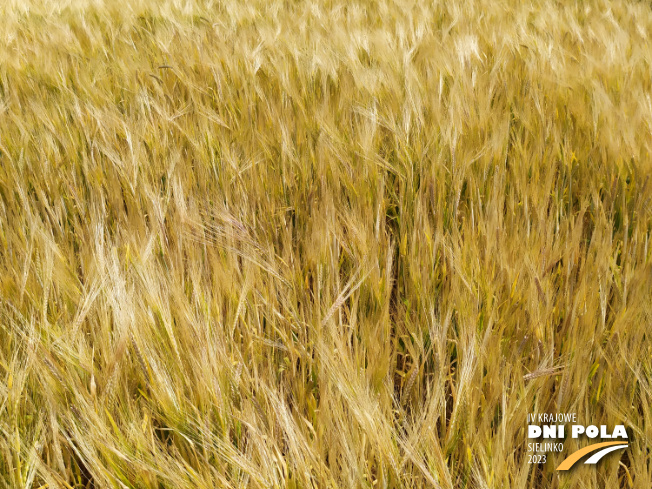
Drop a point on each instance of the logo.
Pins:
(603, 449)
(552, 427)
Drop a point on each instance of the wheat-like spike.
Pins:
(55, 372)
(141, 360)
(411, 380)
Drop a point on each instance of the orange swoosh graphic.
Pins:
(575, 456)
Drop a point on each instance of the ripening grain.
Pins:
(327, 244)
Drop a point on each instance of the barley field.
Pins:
(322, 244)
